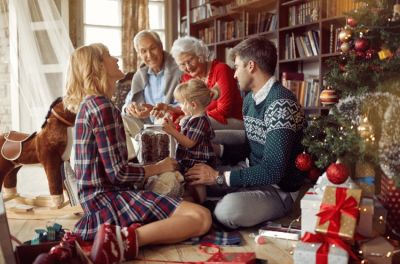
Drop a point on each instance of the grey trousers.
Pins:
(245, 207)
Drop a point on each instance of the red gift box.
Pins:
(233, 258)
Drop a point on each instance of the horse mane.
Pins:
(58, 100)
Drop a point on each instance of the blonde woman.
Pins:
(194, 139)
(106, 180)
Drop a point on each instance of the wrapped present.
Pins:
(309, 205)
(324, 182)
(339, 212)
(321, 249)
(364, 177)
(377, 251)
(380, 218)
(390, 198)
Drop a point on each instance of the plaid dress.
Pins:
(197, 128)
(106, 182)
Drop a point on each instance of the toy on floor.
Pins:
(50, 146)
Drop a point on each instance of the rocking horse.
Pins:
(50, 147)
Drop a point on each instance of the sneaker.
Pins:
(113, 244)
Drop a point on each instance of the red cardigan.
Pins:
(229, 102)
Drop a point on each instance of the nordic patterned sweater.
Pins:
(274, 129)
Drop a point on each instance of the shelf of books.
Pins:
(305, 32)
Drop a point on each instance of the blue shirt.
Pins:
(154, 90)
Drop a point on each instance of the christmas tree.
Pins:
(365, 123)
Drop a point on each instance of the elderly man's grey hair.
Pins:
(190, 45)
(146, 34)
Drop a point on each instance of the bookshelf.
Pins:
(304, 31)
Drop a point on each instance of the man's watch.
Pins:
(220, 179)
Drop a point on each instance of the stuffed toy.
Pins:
(168, 183)
(50, 146)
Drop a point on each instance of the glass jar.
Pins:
(154, 144)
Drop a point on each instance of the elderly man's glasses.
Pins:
(190, 62)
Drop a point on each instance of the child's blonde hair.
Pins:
(196, 90)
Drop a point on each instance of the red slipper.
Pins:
(113, 244)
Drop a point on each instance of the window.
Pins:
(157, 18)
(102, 22)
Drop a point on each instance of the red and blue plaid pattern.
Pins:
(197, 128)
(105, 179)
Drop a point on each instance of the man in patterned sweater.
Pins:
(274, 122)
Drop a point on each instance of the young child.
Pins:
(194, 139)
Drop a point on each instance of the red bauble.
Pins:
(361, 44)
(304, 162)
(314, 174)
(351, 22)
(45, 258)
(360, 54)
(61, 253)
(370, 54)
(337, 173)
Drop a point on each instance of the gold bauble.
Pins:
(345, 47)
(365, 129)
(345, 35)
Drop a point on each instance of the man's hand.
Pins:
(141, 111)
(201, 174)
(159, 110)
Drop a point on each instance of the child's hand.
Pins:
(141, 111)
(168, 125)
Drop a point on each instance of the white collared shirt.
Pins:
(264, 91)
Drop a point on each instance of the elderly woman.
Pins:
(193, 58)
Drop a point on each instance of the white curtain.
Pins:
(43, 50)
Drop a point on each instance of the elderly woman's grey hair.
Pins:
(190, 45)
(146, 34)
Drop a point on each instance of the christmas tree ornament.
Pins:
(337, 173)
(345, 35)
(370, 54)
(314, 174)
(304, 162)
(351, 21)
(345, 47)
(328, 96)
(361, 44)
(384, 54)
(360, 54)
(365, 129)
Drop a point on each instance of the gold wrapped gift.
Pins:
(339, 212)
(364, 177)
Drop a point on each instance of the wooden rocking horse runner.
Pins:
(48, 147)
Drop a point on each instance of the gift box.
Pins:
(232, 258)
(377, 251)
(307, 253)
(309, 205)
(339, 212)
(390, 198)
(364, 177)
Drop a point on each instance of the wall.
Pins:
(5, 105)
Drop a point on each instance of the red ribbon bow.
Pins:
(323, 250)
(333, 212)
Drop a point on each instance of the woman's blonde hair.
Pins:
(86, 75)
(196, 90)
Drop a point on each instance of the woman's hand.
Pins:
(167, 164)
(141, 111)
(201, 174)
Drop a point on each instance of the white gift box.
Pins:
(307, 253)
(309, 205)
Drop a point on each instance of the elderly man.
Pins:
(153, 83)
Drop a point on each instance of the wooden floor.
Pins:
(275, 251)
